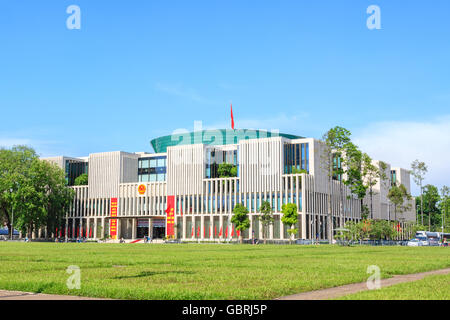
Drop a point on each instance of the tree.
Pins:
(295, 170)
(431, 209)
(353, 161)
(36, 190)
(419, 169)
(58, 195)
(290, 218)
(382, 230)
(399, 196)
(266, 217)
(240, 219)
(444, 204)
(15, 164)
(226, 170)
(81, 180)
(372, 175)
(335, 141)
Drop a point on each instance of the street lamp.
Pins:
(12, 218)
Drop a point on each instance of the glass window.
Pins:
(152, 163)
(152, 177)
(161, 162)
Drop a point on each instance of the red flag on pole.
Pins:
(90, 233)
(226, 232)
(232, 231)
(78, 231)
(238, 233)
(220, 232)
(215, 231)
(192, 233)
(232, 118)
(198, 232)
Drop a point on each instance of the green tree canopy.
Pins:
(240, 219)
(290, 218)
(266, 217)
(81, 180)
(431, 208)
(15, 163)
(227, 170)
(34, 188)
(399, 196)
(295, 170)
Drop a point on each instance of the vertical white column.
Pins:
(281, 228)
(119, 228)
(88, 227)
(250, 230)
(211, 227)
(194, 234)
(133, 228)
(149, 233)
(95, 228)
(184, 226)
(221, 227)
(202, 228)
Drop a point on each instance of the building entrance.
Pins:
(142, 228)
(159, 228)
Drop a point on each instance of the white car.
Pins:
(415, 243)
(423, 240)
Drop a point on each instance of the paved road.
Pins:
(357, 287)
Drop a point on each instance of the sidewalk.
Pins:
(357, 287)
(19, 295)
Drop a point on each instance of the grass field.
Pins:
(430, 288)
(202, 271)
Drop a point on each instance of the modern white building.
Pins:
(185, 166)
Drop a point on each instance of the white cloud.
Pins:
(401, 142)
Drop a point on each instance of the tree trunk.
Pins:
(421, 202)
(341, 206)
(264, 234)
(329, 219)
(240, 239)
(8, 220)
(362, 204)
(30, 231)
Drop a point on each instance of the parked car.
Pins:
(423, 240)
(415, 243)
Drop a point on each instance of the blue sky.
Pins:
(139, 69)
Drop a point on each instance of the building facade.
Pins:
(277, 168)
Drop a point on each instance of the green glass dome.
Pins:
(213, 137)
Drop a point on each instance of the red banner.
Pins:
(170, 221)
(113, 222)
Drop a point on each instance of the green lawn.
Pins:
(202, 271)
(429, 288)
